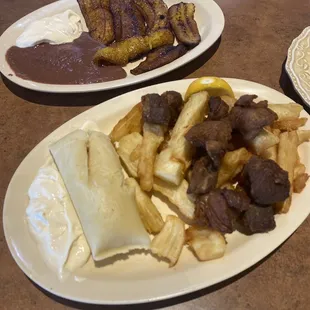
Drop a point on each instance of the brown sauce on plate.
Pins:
(69, 63)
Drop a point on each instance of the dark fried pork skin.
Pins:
(218, 214)
(221, 208)
(237, 200)
(249, 118)
(216, 151)
(182, 21)
(259, 219)
(199, 134)
(175, 103)
(98, 19)
(265, 181)
(218, 109)
(128, 21)
(203, 178)
(160, 57)
(155, 110)
(162, 110)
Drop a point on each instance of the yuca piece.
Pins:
(272, 152)
(131, 122)
(206, 243)
(264, 140)
(169, 242)
(93, 176)
(303, 136)
(177, 195)
(290, 124)
(287, 159)
(153, 136)
(172, 162)
(232, 165)
(127, 145)
(149, 214)
(285, 111)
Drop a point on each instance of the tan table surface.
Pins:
(253, 47)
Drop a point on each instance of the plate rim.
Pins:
(104, 86)
(192, 287)
(289, 65)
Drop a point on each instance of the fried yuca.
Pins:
(126, 146)
(206, 243)
(173, 161)
(153, 136)
(169, 242)
(131, 122)
(150, 216)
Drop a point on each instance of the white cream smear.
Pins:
(54, 223)
(57, 29)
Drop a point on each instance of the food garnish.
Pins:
(215, 87)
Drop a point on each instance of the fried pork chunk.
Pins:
(265, 181)
(249, 118)
(209, 130)
(204, 177)
(259, 219)
(218, 109)
(221, 208)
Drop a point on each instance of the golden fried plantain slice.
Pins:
(121, 53)
(160, 57)
(181, 17)
(147, 12)
(155, 13)
(98, 19)
(128, 21)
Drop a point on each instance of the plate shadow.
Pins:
(158, 304)
(89, 99)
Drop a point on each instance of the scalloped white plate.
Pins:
(210, 21)
(298, 64)
(141, 278)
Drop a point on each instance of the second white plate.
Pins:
(209, 17)
(141, 278)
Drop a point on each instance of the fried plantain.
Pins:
(181, 17)
(121, 53)
(98, 19)
(155, 13)
(160, 57)
(127, 19)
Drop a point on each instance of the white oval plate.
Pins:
(298, 65)
(209, 17)
(141, 278)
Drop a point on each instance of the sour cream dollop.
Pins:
(54, 223)
(57, 29)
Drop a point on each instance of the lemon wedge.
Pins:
(213, 85)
